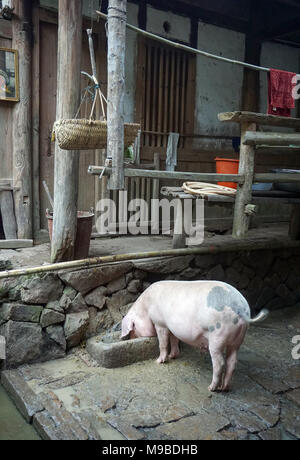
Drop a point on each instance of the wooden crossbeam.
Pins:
(260, 119)
(276, 139)
(187, 176)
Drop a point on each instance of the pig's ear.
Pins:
(127, 327)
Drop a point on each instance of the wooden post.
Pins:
(67, 162)
(241, 220)
(22, 120)
(116, 90)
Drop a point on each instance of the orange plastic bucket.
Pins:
(227, 166)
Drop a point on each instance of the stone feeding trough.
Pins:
(110, 352)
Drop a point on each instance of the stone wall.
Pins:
(43, 316)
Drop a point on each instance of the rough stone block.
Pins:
(42, 290)
(23, 342)
(75, 327)
(50, 317)
(77, 305)
(85, 281)
(20, 312)
(166, 265)
(24, 398)
(135, 286)
(56, 333)
(97, 297)
(99, 321)
(118, 300)
(116, 285)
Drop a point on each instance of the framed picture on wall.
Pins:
(9, 75)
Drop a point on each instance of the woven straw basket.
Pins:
(84, 134)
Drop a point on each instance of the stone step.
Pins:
(110, 352)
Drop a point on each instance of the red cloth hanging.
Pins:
(280, 100)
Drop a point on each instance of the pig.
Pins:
(210, 315)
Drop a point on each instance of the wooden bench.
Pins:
(252, 142)
(180, 235)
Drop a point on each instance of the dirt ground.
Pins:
(171, 401)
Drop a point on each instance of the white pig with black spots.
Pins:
(207, 314)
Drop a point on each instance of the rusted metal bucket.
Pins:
(84, 231)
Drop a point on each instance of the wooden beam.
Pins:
(15, 244)
(5, 29)
(241, 220)
(279, 177)
(8, 215)
(188, 176)
(22, 119)
(66, 169)
(260, 119)
(117, 18)
(277, 139)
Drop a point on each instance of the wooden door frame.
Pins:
(43, 15)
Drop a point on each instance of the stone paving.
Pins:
(74, 398)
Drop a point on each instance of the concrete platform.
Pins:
(75, 398)
(40, 253)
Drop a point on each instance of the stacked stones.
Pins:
(43, 316)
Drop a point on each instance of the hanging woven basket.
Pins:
(84, 134)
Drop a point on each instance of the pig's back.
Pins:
(197, 301)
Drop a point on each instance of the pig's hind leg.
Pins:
(231, 360)
(218, 362)
(174, 353)
(163, 335)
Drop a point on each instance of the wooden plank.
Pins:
(155, 190)
(22, 119)
(161, 111)
(36, 205)
(8, 215)
(206, 177)
(280, 177)
(260, 119)
(276, 139)
(5, 29)
(16, 244)
(241, 220)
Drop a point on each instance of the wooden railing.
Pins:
(251, 140)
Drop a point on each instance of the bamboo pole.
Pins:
(234, 245)
(190, 49)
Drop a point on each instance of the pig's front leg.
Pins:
(163, 335)
(174, 353)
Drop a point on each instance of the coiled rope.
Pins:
(204, 189)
